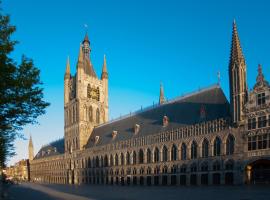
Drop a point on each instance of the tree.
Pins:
(21, 95)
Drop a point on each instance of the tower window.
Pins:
(262, 122)
(261, 99)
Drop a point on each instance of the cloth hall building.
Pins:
(197, 139)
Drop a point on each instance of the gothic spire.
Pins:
(30, 141)
(104, 69)
(80, 58)
(86, 39)
(236, 50)
(161, 95)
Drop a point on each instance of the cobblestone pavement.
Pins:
(30, 191)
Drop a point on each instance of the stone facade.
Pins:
(197, 139)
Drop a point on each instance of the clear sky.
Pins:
(181, 43)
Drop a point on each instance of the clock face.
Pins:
(93, 93)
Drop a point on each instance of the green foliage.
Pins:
(21, 95)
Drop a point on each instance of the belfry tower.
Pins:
(238, 82)
(30, 149)
(85, 99)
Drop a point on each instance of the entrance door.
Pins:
(260, 172)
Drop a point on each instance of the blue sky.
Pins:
(181, 43)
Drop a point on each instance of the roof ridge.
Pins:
(200, 90)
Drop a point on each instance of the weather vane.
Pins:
(85, 27)
(218, 76)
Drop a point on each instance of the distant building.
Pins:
(197, 139)
(19, 171)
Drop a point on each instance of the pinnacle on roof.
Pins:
(80, 59)
(260, 81)
(236, 51)
(104, 69)
(30, 141)
(161, 95)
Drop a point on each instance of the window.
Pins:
(217, 144)
(262, 121)
(148, 156)
(261, 99)
(90, 114)
(183, 169)
(165, 154)
(106, 161)
(216, 166)
(122, 159)
(88, 91)
(141, 156)
(230, 145)
(174, 153)
(262, 141)
(183, 152)
(111, 160)
(116, 160)
(97, 161)
(156, 155)
(193, 167)
(97, 116)
(205, 146)
(249, 124)
(204, 167)
(134, 158)
(253, 125)
(128, 158)
(229, 165)
(193, 150)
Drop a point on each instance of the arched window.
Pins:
(141, 156)
(76, 144)
(229, 165)
(217, 144)
(128, 158)
(204, 167)
(105, 161)
(111, 160)
(205, 147)
(193, 150)
(134, 158)
(122, 159)
(97, 161)
(101, 161)
(116, 160)
(193, 167)
(148, 156)
(90, 113)
(74, 115)
(156, 155)
(165, 154)
(183, 151)
(97, 116)
(216, 166)
(230, 145)
(174, 153)
(88, 91)
(89, 162)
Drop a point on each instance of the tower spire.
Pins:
(31, 149)
(161, 95)
(238, 83)
(67, 67)
(260, 81)
(104, 69)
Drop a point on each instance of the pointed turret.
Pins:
(67, 73)
(31, 149)
(238, 83)
(104, 69)
(80, 58)
(260, 81)
(161, 95)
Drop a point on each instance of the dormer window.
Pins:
(96, 139)
(165, 121)
(114, 134)
(136, 128)
(261, 99)
(55, 150)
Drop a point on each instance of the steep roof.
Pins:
(54, 148)
(180, 112)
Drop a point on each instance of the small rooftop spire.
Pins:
(260, 81)
(104, 68)
(80, 59)
(236, 51)
(86, 39)
(30, 141)
(161, 95)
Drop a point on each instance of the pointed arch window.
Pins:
(105, 161)
(90, 113)
(183, 151)
(174, 153)
(205, 148)
(97, 116)
(141, 156)
(230, 145)
(97, 161)
(134, 158)
(128, 158)
(193, 150)
(122, 159)
(156, 155)
(165, 154)
(111, 160)
(88, 91)
(217, 146)
(116, 160)
(148, 156)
